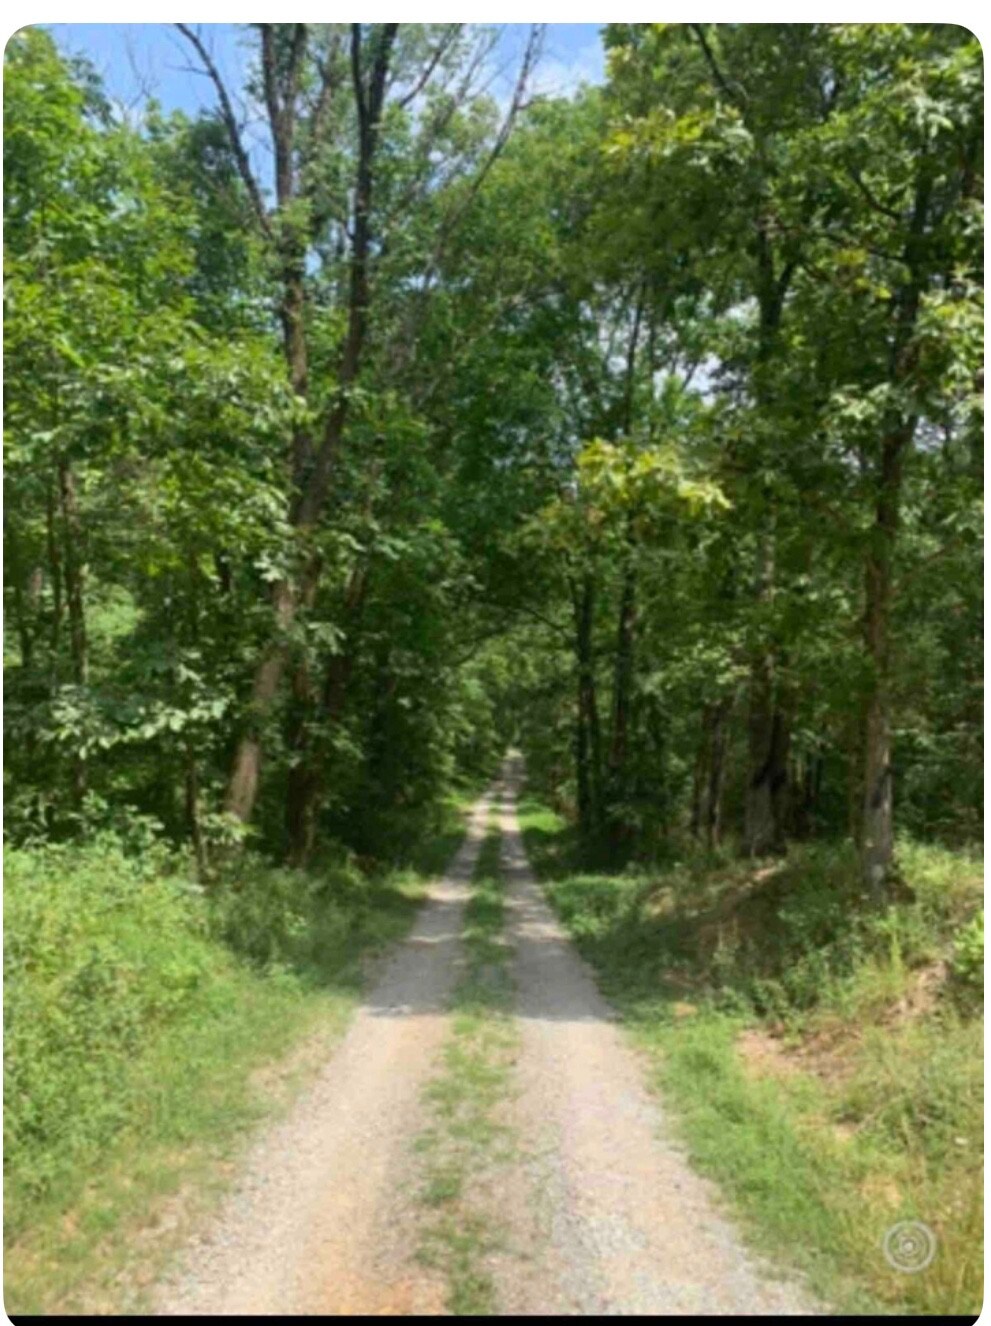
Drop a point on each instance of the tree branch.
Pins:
(324, 97)
(530, 56)
(442, 46)
(873, 202)
(380, 69)
(230, 123)
(527, 64)
(356, 74)
(713, 64)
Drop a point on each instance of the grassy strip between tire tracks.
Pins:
(466, 1137)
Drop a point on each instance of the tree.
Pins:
(301, 88)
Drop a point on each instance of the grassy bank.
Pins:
(466, 1136)
(149, 1024)
(822, 1064)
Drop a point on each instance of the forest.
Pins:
(638, 429)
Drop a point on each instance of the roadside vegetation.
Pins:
(467, 1138)
(822, 1061)
(150, 1023)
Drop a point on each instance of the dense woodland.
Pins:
(641, 428)
(387, 415)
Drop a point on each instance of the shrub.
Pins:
(99, 954)
(968, 955)
(105, 958)
(312, 923)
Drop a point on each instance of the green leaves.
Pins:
(648, 479)
(626, 379)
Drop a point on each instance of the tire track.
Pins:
(610, 1217)
(324, 1218)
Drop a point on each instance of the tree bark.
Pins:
(716, 764)
(617, 823)
(55, 570)
(622, 705)
(877, 815)
(699, 778)
(588, 736)
(192, 796)
(310, 787)
(767, 732)
(304, 792)
(242, 787)
(767, 780)
(877, 821)
(26, 587)
(75, 577)
(75, 572)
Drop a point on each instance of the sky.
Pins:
(141, 59)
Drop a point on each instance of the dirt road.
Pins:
(604, 1213)
(323, 1219)
(618, 1221)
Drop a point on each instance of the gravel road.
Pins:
(602, 1212)
(608, 1217)
(324, 1218)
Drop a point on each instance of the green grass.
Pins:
(147, 1029)
(466, 1136)
(823, 1063)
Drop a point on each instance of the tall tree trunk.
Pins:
(622, 698)
(55, 570)
(855, 771)
(306, 778)
(769, 739)
(242, 786)
(595, 751)
(75, 573)
(304, 792)
(191, 777)
(314, 468)
(622, 707)
(877, 826)
(300, 793)
(26, 586)
(780, 746)
(767, 727)
(335, 694)
(758, 816)
(717, 764)
(582, 771)
(192, 797)
(588, 736)
(707, 773)
(699, 778)
(765, 735)
(877, 817)
(809, 779)
(75, 578)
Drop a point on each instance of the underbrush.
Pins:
(825, 1061)
(139, 1008)
(309, 924)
